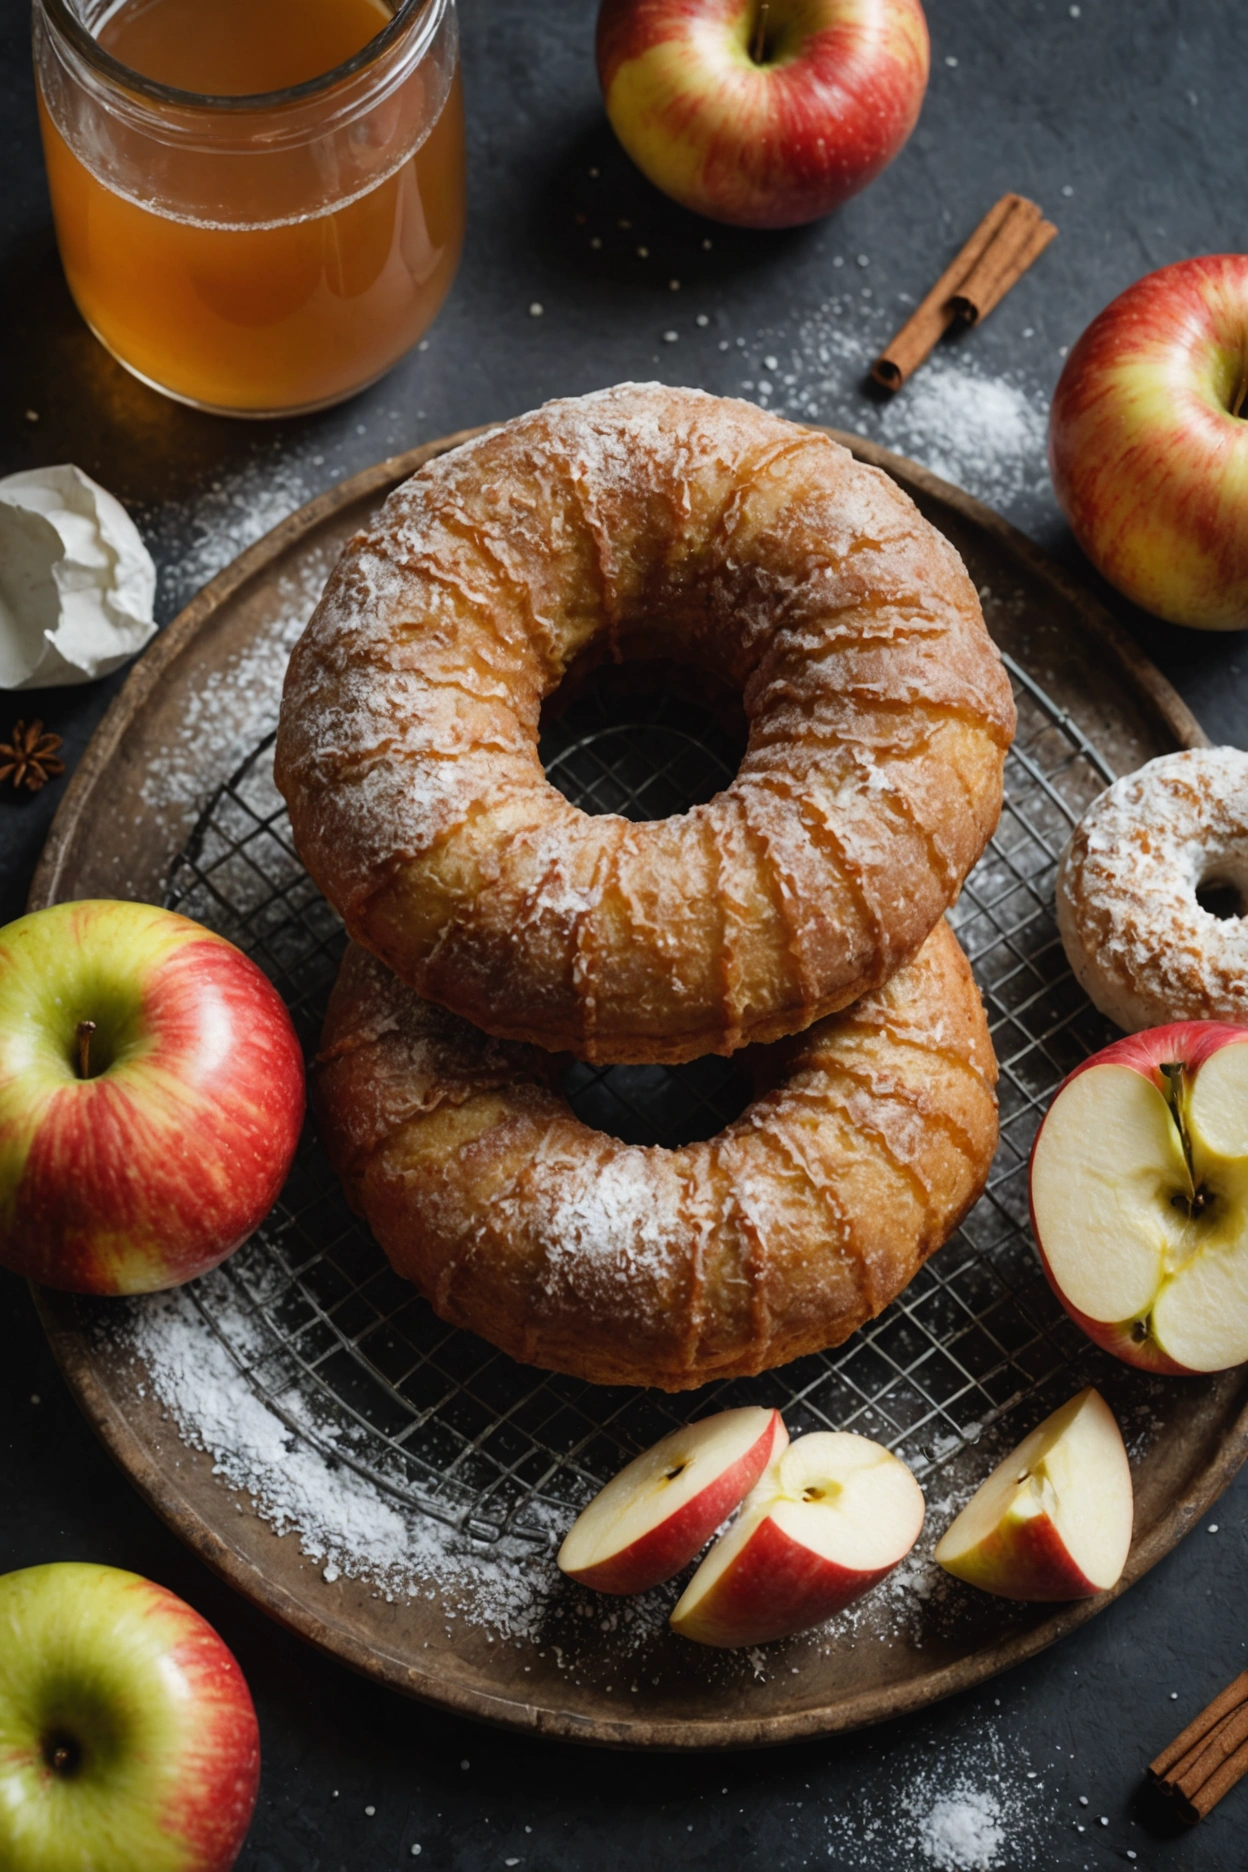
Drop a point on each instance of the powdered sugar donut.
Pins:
(1144, 947)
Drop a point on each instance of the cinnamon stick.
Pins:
(1012, 235)
(1209, 1757)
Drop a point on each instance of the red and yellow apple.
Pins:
(1148, 442)
(151, 1097)
(1139, 1197)
(128, 1738)
(652, 1518)
(1053, 1521)
(764, 113)
(830, 1518)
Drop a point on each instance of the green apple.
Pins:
(128, 1738)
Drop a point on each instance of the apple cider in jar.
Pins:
(259, 203)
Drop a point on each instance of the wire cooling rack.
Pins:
(355, 1362)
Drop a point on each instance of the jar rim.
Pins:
(62, 16)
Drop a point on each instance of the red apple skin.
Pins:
(1149, 462)
(1118, 1337)
(774, 1588)
(217, 1801)
(1189, 1043)
(1033, 1560)
(660, 1554)
(110, 1185)
(770, 145)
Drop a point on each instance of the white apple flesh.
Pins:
(1139, 1197)
(128, 1738)
(662, 1508)
(1053, 1521)
(828, 1521)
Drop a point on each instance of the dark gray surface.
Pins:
(1138, 111)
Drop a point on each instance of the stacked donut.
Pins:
(497, 929)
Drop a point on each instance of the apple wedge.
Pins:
(1053, 1521)
(1139, 1197)
(831, 1517)
(652, 1518)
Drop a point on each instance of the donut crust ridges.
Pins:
(637, 521)
(869, 1138)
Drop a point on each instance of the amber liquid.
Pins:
(260, 319)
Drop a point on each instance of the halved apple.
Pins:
(831, 1517)
(652, 1518)
(1139, 1197)
(1053, 1521)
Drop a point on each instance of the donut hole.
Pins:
(667, 1105)
(645, 739)
(1221, 897)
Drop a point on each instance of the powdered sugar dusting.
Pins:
(973, 1808)
(340, 1519)
(231, 514)
(236, 704)
(983, 432)
(607, 1220)
(963, 1830)
(1140, 943)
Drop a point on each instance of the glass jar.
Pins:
(256, 255)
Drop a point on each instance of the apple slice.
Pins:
(1053, 1521)
(1139, 1197)
(830, 1518)
(654, 1516)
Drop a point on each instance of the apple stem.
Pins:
(1241, 391)
(760, 43)
(85, 1030)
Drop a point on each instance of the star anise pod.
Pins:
(28, 758)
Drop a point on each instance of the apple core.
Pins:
(1139, 1190)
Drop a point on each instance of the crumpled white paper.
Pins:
(76, 581)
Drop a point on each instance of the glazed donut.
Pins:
(1144, 949)
(643, 521)
(869, 1138)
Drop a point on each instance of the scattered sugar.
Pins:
(963, 1831)
(236, 705)
(966, 1806)
(985, 433)
(297, 1471)
(226, 517)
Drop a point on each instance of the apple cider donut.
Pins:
(869, 1137)
(637, 521)
(1143, 947)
